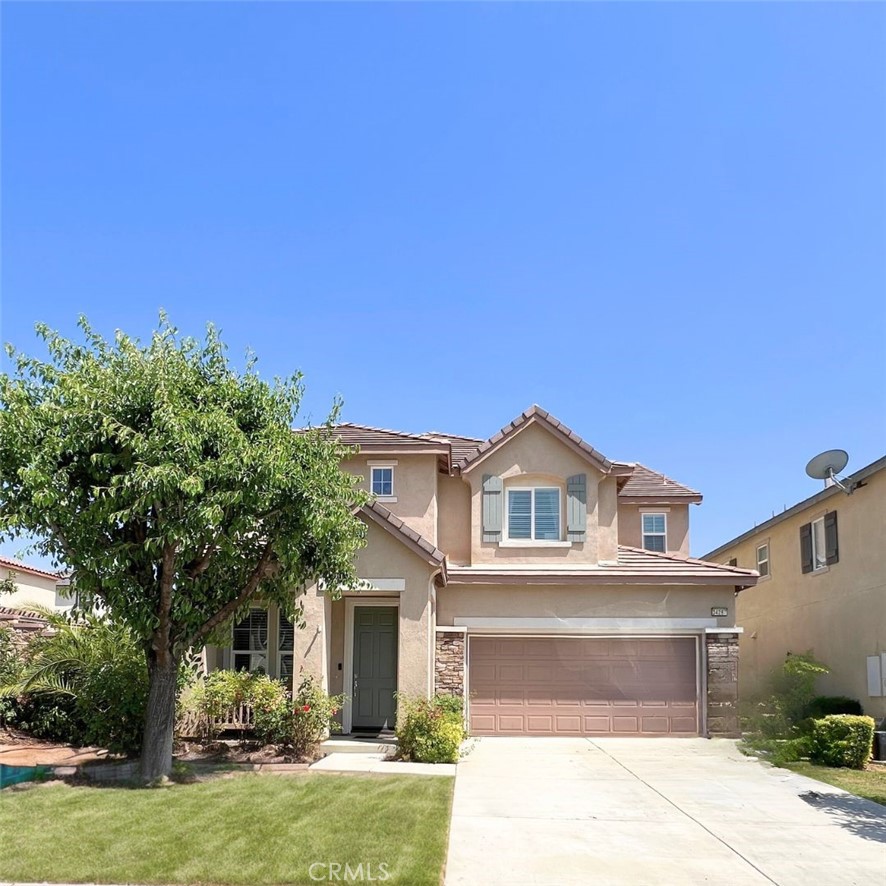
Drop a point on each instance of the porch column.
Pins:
(312, 642)
(722, 672)
(449, 661)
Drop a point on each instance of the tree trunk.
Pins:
(156, 759)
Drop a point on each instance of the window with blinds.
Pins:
(534, 513)
(655, 532)
(250, 646)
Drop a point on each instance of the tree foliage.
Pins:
(171, 485)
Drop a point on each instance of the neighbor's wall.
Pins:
(630, 525)
(415, 488)
(839, 613)
(31, 590)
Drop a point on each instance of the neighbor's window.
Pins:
(819, 557)
(534, 513)
(383, 481)
(655, 532)
(763, 560)
(250, 647)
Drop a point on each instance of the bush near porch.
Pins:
(430, 730)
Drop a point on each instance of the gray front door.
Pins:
(375, 667)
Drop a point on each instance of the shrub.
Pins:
(302, 723)
(825, 705)
(842, 740)
(83, 682)
(430, 730)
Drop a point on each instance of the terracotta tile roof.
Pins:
(17, 566)
(634, 566)
(462, 447)
(536, 414)
(417, 542)
(356, 435)
(646, 483)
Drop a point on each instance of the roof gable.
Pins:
(413, 540)
(536, 416)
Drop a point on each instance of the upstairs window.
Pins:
(383, 481)
(763, 560)
(655, 532)
(534, 514)
(819, 547)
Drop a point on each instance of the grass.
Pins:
(245, 829)
(869, 783)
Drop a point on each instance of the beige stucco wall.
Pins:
(320, 648)
(630, 525)
(531, 457)
(415, 488)
(454, 506)
(31, 590)
(603, 601)
(838, 613)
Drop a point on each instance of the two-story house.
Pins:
(822, 588)
(548, 585)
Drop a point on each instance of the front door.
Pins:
(375, 667)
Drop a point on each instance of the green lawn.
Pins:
(869, 783)
(246, 829)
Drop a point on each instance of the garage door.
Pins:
(582, 686)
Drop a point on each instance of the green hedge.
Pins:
(842, 740)
(430, 730)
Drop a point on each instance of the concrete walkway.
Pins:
(653, 812)
(379, 763)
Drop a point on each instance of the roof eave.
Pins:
(614, 577)
(663, 499)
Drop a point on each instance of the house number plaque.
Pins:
(719, 611)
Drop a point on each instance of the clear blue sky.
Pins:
(664, 223)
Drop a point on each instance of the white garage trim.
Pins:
(591, 624)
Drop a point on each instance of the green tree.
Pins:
(174, 488)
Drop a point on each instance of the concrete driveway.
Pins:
(656, 812)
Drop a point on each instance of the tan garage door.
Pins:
(582, 686)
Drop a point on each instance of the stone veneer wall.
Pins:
(722, 658)
(449, 663)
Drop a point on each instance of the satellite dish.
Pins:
(825, 465)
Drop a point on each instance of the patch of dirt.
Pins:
(240, 752)
(19, 749)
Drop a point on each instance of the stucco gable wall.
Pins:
(630, 527)
(415, 488)
(534, 455)
(320, 646)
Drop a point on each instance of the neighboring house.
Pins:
(822, 588)
(33, 587)
(547, 584)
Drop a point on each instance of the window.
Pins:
(383, 481)
(818, 543)
(264, 641)
(655, 532)
(763, 560)
(286, 644)
(250, 647)
(534, 514)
